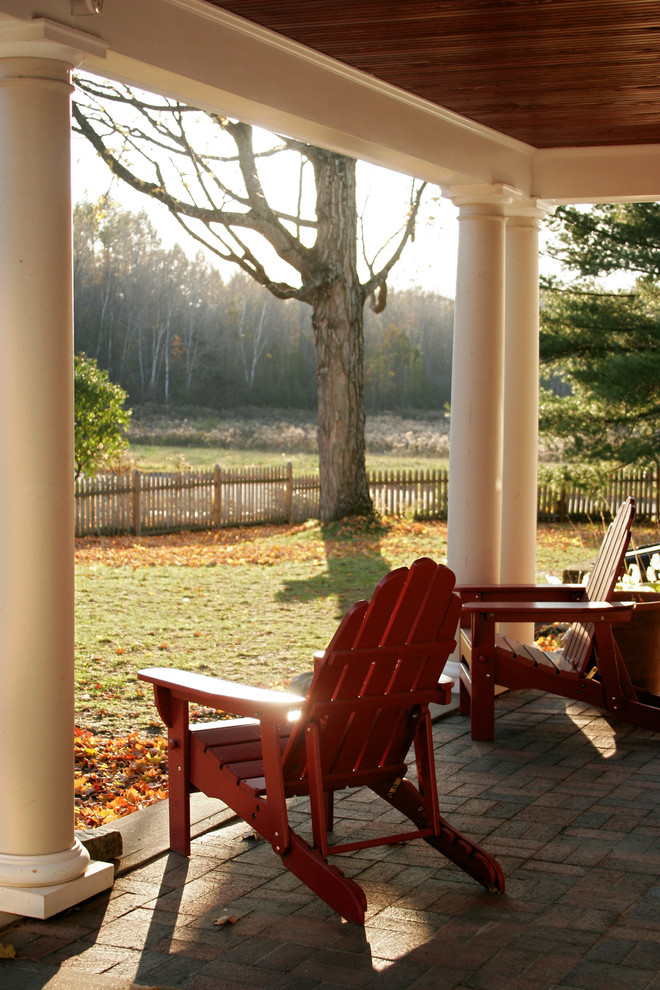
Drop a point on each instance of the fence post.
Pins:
(561, 505)
(288, 493)
(217, 497)
(136, 502)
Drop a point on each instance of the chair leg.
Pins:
(329, 797)
(482, 679)
(319, 804)
(458, 848)
(464, 700)
(340, 893)
(477, 686)
(482, 710)
(179, 779)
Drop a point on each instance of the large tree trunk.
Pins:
(337, 319)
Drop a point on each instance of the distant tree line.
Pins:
(169, 329)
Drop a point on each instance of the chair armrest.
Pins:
(237, 699)
(542, 611)
(519, 592)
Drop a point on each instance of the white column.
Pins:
(475, 436)
(521, 392)
(43, 868)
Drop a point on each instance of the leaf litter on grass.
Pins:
(114, 777)
(261, 545)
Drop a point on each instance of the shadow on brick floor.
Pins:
(568, 801)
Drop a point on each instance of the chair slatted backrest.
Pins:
(386, 656)
(607, 569)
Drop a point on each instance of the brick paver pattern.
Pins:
(567, 800)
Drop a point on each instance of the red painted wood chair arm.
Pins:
(542, 611)
(519, 592)
(237, 699)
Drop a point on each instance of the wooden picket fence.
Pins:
(570, 502)
(153, 502)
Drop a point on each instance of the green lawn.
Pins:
(239, 623)
(254, 612)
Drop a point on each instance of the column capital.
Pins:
(528, 208)
(496, 194)
(45, 39)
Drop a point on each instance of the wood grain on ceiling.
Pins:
(552, 73)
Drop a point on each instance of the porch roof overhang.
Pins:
(357, 103)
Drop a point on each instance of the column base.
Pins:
(44, 902)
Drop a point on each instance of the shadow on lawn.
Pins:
(354, 566)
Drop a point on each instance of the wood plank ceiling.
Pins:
(552, 73)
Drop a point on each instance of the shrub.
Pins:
(100, 417)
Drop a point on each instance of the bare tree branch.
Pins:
(376, 282)
(171, 145)
(258, 217)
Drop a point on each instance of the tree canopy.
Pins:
(170, 329)
(605, 345)
(607, 238)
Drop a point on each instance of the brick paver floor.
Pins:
(567, 800)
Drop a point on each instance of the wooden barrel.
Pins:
(639, 639)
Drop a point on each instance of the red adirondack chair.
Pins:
(366, 706)
(588, 668)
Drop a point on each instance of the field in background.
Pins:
(167, 440)
(153, 458)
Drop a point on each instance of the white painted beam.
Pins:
(598, 175)
(208, 57)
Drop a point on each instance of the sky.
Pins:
(428, 262)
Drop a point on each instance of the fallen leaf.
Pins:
(7, 951)
(114, 777)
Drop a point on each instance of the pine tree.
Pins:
(604, 345)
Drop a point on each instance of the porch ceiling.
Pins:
(551, 73)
